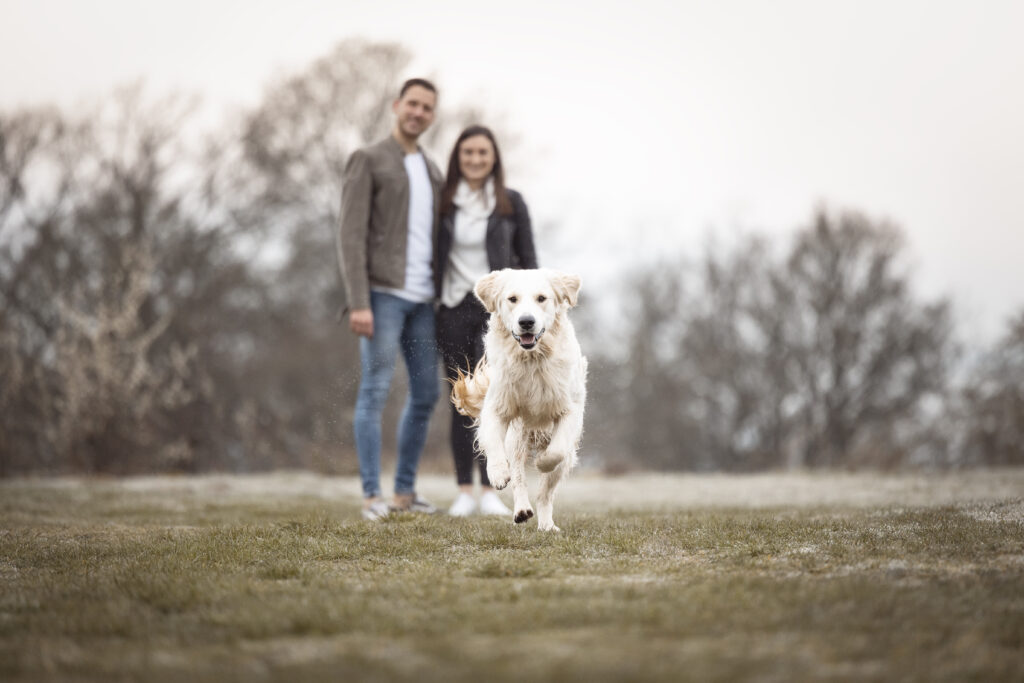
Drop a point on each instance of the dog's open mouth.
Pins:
(528, 340)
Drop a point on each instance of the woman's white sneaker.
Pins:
(463, 506)
(490, 504)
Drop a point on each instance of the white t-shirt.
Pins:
(419, 250)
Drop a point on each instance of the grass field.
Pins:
(705, 578)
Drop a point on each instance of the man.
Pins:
(389, 222)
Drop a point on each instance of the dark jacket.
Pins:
(374, 227)
(509, 240)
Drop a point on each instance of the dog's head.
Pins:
(527, 302)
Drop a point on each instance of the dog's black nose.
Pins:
(526, 322)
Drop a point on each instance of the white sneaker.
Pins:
(376, 511)
(490, 504)
(463, 506)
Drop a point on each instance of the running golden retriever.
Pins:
(529, 390)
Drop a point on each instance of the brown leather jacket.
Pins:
(375, 219)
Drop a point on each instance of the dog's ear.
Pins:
(487, 290)
(567, 287)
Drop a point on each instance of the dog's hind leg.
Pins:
(517, 448)
(546, 498)
(562, 448)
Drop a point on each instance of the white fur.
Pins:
(533, 398)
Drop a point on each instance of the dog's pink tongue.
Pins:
(526, 338)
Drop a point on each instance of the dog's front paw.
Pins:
(523, 515)
(549, 460)
(550, 526)
(499, 476)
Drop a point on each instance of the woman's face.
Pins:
(476, 159)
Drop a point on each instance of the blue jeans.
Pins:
(398, 325)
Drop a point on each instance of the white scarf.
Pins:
(475, 203)
(467, 260)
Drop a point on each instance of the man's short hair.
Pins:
(421, 82)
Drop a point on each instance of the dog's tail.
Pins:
(468, 391)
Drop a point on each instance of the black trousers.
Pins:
(460, 337)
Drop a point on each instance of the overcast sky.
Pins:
(645, 126)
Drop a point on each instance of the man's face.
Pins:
(415, 111)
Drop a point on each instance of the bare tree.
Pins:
(705, 374)
(34, 183)
(733, 354)
(864, 354)
(104, 253)
(656, 422)
(993, 403)
(751, 361)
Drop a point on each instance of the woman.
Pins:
(484, 226)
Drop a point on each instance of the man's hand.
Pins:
(361, 322)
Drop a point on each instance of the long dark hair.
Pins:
(451, 183)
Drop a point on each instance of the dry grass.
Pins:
(701, 578)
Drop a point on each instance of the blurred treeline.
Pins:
(169, 303)
(813, 354)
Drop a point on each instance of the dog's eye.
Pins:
(513, 299)
(541, 299)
